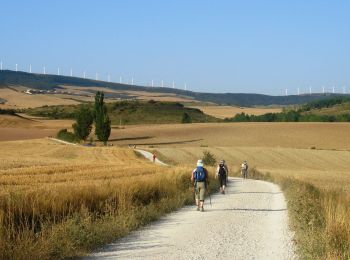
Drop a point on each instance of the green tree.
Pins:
(83, 125)
(102, 121)
(186, 118)
(208, 158)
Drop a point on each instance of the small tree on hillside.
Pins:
(186, 118)
(102, 121)
(83, 125)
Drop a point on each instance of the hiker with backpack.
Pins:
(222, 175)
(244, 170)
(200, 179)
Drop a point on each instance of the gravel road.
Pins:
(249, 222)
(149, 156)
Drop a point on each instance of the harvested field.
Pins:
(20, 128)
(230, 111)
(51, 192)
(21, 100)
(141, 95)
(324, 168)
(288, 135)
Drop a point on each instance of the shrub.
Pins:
(64, 135)
(208, 159)
(186, 118)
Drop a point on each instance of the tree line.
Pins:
(289, 116)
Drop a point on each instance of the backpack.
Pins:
(222, 170)
(199, 174)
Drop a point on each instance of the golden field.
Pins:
(54, 188)
(287, 135)
(21, 128)
(230, 111)
(59, 201)
(18, 99)
(324, 168)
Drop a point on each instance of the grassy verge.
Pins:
(69, 221)
(319, 217)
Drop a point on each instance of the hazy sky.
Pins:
(214, 46)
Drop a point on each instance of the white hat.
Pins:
(199, 163)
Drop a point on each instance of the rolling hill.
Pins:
(52, 82)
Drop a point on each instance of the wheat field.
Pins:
(51, 192)
(17, 99)
(287, 135)
(230, 111)
(325, 168)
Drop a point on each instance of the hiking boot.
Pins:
(223, 192)
(202, 209)
(197, 208)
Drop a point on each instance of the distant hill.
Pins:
(131, 112)
(50, 82)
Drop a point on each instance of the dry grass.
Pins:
(324, 168)
(230, 111)
(16, 99)
(59, 201)
(316, 184)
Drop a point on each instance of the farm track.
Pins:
(249, 222)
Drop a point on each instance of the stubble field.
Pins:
(59, 201)
(45, 183)
(230, 111)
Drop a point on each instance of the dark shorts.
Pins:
(222, 180)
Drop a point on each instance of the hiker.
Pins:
(244, 169)
(200, 180)
(222, 174)
(154, 157)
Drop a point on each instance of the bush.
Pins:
(64, 135)
(208, 159)
(186, 118)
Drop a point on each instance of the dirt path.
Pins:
(249, 222)
(149, 156)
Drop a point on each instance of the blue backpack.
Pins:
(199, 174)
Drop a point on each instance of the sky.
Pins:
(237, 46)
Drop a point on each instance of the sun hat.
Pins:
(199, 163)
